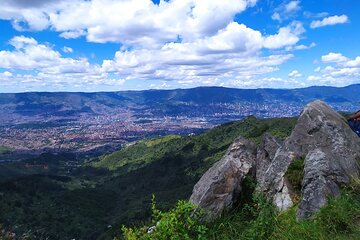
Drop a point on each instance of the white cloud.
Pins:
(43, 67)
(328, 21)
(276, 16)
(292, 6)
(341, 71)
(233, 52)
(333, 57)
(286, 10)
(354, 63)
(184, 41)
(66, 49)
(300, 47)
(295, 74)
(286, 36)
(72, 34)
(6, 74)
(313, 78)
(127, 21)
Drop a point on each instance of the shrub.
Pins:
(179, 223)
(254, 219)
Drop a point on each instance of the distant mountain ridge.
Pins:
(76, 102)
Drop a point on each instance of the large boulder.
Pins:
(220, 186)
(331, 151)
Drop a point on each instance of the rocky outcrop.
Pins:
(265, 154)
(321, 137)
(331, 151)
(220, 186)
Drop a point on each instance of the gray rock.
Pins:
(220, 186)
(265, 154)
(332, 152)
(318, 184)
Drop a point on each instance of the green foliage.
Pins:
(208, 147)
(5, 149)
(138, 155)
(339, 219)
(179, 223)
(295, 174)
(254, 219)
(115, 190)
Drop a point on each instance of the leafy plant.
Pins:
(251, 220)
(180, 223)
(295, 174)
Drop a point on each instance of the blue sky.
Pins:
(112, 45)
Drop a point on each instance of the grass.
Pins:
(295, 174)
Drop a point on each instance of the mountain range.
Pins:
(170, 102)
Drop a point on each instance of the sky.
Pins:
(114, 45)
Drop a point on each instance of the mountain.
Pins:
(90, 124)
(116, 188)
(94, 200)
(74, 103)
(306, 187)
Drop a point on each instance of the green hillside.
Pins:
(97, 199)
(207, 147)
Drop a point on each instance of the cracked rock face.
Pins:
(331, 150)
(220, 186)
(265, 154)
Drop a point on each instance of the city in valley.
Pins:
(105, 129)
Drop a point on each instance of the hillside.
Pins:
(116, 189)
(306, 187)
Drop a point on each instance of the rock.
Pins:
(331, 151)
(265, 154)
(318, 183)
(220, 186)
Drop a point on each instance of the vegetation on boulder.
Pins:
(295, 175)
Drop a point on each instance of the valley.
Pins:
(90, 124)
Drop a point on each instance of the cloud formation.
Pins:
(295, 74)
(286, 10)
(185, 41)
(328, 21)
(339, 70)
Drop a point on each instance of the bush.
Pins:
(180, 223)
(255, 218)
(251, 220)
